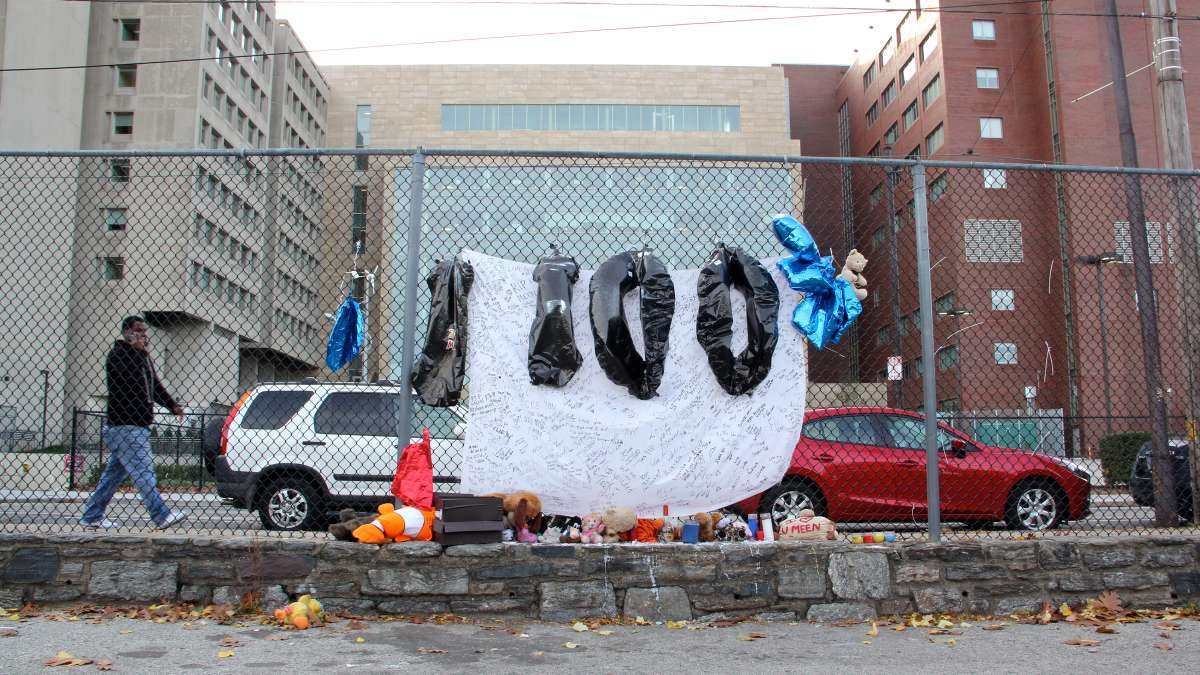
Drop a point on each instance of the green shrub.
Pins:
(1117, 454)
(169, 475)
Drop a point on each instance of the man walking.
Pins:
(133, 389)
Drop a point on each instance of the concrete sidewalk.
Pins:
(530, 647)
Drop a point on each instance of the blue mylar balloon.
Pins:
(829, 306)
(346, 338)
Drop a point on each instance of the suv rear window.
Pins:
(272, 409)
(358, 414)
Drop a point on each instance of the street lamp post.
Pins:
(1100, 260)
(958, 313)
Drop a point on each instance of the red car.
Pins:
(868, 464)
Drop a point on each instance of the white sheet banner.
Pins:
(591, 444)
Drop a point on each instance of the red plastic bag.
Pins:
(413, 483)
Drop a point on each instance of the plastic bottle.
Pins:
(752, 521)
(768, 527)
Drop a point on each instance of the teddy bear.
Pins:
(618, 521)
(593, 529)
(852, 273)
(708, 524)
(732, 528)
(522, 515)
(392, 524)
(348, 521)
(807, 527)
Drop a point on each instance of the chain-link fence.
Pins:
(1032, 335)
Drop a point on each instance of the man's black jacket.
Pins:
(133, 387)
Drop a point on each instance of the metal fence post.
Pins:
(74, 456)
(928, 368)
(416, 196)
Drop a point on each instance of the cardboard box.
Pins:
(467, 532)
(464, 508)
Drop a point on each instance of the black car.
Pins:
(1141, 485)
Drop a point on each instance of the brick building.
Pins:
(1013, 332)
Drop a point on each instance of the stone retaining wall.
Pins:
(817, 581)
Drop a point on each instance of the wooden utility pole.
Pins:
(1176, 144)
(1156, 393)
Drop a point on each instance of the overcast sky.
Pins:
(807, 38)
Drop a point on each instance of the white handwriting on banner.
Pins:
(590, 444)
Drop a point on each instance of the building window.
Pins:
(892, 134)
(872, 114)
(1124, 243)
(869, 76)
(995, 179)
(1004, 300)
(947, 357)
(131, 29)
(111, 269)
(933, 142)
(122, 123)
(987, 78)
(915, 153)
(874, 151)
(938, 186)
(591, 117)
(991, 127)
(945, 303)
(993, 241)
(119, 170)
(876, 195)
(905, 325)
(114, 219)
(878, 237)
(908, 71)
(126, 76)
(983, 29)
(929, 44)
(1005, 353)
(362, 134)
(889, 93)
(886, 54)
(358, 220)
(932, 91)
(910, 115)
(882, 337)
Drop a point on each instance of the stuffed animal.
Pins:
(529, 519)
(708, 524)
(348, 521)
(392, 524)
(593, 529)
(666, 533)
(571, 535)
(807, 527)
(552, 535)
(852, 272)
(618, 521)
(646, 530)
(732, 528)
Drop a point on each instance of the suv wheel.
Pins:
(792, 496)
(289, 504)
(1035, 505)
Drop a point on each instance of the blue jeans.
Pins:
(129, 455)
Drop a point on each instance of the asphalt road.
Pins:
(136, 646)
(1114, 513)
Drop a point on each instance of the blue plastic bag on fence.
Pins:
(346, 338)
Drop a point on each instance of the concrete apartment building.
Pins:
(1004, 87)
(514, 207)
(220, 254)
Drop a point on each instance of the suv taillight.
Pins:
(229, 420)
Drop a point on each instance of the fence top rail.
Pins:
(599, 154)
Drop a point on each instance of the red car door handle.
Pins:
(825, 457)
(910, 464)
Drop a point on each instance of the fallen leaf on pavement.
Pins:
(8, 632)
(539, 653)
(642, 622)
(1106, 630)
(920, 622)
(1065, 609)
(1082, 642)
(277, 636)
(866, 642)
(1047, 614)
(750, 637)
(67, 659)
(995, 626)
(945, 623)
(358, 639)
(950, 642)
(604, 632)
(1164, 635)
(899, 627)
(579, 627)
(125, 631)
(229, 641)
(1167, 625)
(1163, 646)
(104, 664)
(570, 645)
(874, 632)
(226, 653)
(677, 624)
(356, 625)
(430, 650)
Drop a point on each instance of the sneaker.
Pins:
(102, 524)
(172, 518)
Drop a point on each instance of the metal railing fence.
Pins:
(1002, 296)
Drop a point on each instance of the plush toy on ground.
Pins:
(301, 614)
(807, 527)
(397, 525)
(593, 529)
(618, 522)
(348, 522)
(852, 272)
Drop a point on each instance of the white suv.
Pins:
(297, 452)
